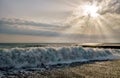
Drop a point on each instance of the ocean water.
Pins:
(19, 56)
(24, 45)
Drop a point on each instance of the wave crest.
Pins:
(36, 56)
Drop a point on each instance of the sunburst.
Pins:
(91, 10)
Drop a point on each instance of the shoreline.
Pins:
(66, 70)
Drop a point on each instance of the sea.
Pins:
(24, 56)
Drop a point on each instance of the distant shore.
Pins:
(102, 45)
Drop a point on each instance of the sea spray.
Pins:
(36, 57)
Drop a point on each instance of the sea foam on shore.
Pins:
(36, 57)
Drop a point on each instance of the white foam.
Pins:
(35, 56)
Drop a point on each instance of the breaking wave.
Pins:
(36, 56)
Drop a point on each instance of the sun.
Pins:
(91, 10)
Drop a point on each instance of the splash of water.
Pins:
(35, 56)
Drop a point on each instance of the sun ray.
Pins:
(88, 19)
(91, 10)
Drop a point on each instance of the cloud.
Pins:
(109, 6)
(16, 21)
(11, 30)
(22, 27)
(59, 10)
(91, 38)
(12, 27)
(115, 6)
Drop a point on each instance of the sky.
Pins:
(48, 21)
